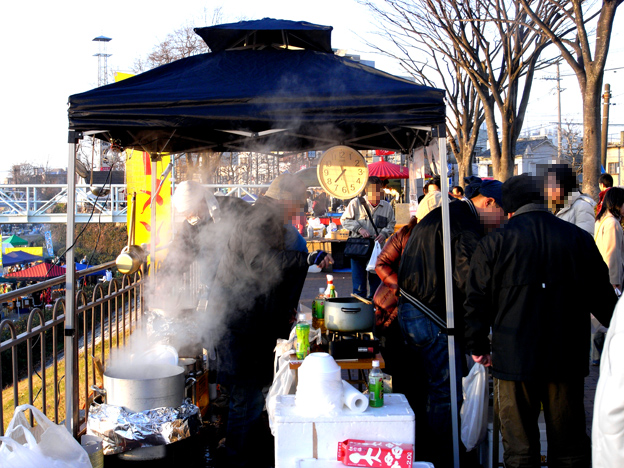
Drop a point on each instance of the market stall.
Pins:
(290, 100)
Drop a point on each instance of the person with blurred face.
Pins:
(565, 199)
(259, 279)
(422, 305)
(356, 220)
(532, 285)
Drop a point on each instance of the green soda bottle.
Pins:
(303, 337)
(318, 311)
(375, 386)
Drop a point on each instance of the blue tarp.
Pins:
(82, 266)
(234, 100)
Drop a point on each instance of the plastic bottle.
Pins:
(375, 386)
(303, 337)
(318, 311)
(331, 290)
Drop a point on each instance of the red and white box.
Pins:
(375, 454)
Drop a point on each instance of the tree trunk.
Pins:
(507, 149)
(591, 136)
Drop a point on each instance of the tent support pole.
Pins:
(454, 356)
(71, 358)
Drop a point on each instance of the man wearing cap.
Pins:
(261, 276)
(528, 281)
(422, 309)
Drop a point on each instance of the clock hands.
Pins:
(343, 171)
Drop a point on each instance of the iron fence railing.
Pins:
(32, 349)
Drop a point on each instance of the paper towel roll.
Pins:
(353, 399)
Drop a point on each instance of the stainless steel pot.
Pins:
(145, 388)
(348, 314)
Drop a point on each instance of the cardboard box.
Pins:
(375, 454)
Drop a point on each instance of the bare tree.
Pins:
(572, 143)
(493, 42)
(421, 61)
(587, 64)
(181, 43)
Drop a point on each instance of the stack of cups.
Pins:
(319, 390)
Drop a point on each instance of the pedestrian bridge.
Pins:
(47, 203)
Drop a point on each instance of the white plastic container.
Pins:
(300, 437)
(319, 387)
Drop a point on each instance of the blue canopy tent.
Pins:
(261, 98)
(266, 85)
(18, 257)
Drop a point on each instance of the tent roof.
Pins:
(386, 170)
(40, 271)
(16, 241)
(267, 32)
(260, 100)
(15, 258)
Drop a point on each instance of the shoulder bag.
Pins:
(361, 247)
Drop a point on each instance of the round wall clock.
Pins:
(342, 172)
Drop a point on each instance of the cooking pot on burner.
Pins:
(348, 314)
(142, 388)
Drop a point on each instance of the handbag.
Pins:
(361, 248)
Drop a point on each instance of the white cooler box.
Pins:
(304, 438)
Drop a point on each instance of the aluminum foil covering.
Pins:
(122, 430)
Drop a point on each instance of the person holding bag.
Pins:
(369, 219)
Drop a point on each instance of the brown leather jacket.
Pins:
(387, 266)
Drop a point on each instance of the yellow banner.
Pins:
(31, 250)
(120, 76)
(139, 180)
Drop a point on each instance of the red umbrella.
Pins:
(386, 170)
(40, 271)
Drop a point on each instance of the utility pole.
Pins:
(558, 112)
(605, 125)
(559, 131)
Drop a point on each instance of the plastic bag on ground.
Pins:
(373, 259)
(474, 411)
(46, 445)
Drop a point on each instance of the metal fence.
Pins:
(32, 349)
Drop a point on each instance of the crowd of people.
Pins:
(534, 269)
(527, 277)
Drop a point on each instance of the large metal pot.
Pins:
(145, 388)
(348, 314)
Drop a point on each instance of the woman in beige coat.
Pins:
(609, 235)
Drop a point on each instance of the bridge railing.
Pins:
(32, 348)
(47, 203)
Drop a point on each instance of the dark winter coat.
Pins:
(260, 283)
(535, 282)
(421, 272)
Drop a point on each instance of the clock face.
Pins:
(342, 172)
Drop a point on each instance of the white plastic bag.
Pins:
(46, 445)
(474, 411)
(373, 259)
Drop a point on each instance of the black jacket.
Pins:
(258, 285)
(421, 271)
(535, 282)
